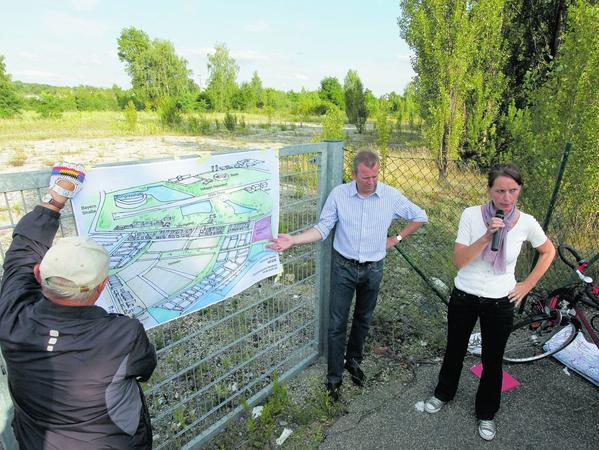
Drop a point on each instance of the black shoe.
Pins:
(357, 376)
(333, 390)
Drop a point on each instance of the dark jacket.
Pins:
(73, 371)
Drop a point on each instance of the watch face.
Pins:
(46, 198)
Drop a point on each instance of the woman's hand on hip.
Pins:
(520, 291)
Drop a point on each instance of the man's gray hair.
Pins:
(63, 289)
(366, 157)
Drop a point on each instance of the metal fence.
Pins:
(213, 362)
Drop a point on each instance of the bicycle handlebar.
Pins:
(561, 251)
(581, 263)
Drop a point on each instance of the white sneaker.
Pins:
(433, 405)
(487, 429)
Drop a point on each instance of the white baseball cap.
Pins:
(78, 259)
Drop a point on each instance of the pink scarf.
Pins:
(497, 259)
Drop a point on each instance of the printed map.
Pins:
(182, 234)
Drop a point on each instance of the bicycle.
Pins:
(559, 312)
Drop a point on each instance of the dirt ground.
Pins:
(42, 154)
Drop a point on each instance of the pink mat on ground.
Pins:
(507, 383)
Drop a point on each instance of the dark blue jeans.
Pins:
(350, 277)
(496, 320)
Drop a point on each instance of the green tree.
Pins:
(256, 88)
(355, 101)
(410, 107)
(332, 124)
(48, 105)
(10, 104)
(533, 32)
(564, 109)
(331, 91)
(372, 103)
(486, 82)
(155, 69)
(383, 131)
(450, 75)
(222, 73)
(244, 98)
(307, 102)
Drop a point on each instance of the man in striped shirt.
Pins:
(362, 211)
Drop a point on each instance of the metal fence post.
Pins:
(332, 175)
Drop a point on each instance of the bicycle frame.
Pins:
(572, 300)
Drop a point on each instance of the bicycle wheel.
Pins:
(528, 338)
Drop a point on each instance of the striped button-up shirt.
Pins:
(362, 223)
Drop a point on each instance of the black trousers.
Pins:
(496, 320)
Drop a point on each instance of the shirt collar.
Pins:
(353, 190)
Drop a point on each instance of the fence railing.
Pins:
(212, 362)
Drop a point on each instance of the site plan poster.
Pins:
(182, 234)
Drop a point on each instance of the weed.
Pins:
(179, 415)
(18, 158)
(260, 430)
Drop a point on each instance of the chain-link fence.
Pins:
(213, 363)
(430, 250)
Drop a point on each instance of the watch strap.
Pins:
(50, 200)
(62, 191)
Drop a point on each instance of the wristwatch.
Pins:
(399, 238)
(62, 191)
(50, 200)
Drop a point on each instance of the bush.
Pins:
(198, 125)
(169, 112)
(131, 115)
(230, 121)
(332, 124)
(48, 106)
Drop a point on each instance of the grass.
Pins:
(30, 126)
(305, 417)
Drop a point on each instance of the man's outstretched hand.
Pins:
(282, 243)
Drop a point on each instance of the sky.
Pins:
(291, 44)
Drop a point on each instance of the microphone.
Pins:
(495, 242)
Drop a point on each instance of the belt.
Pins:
(355, 262)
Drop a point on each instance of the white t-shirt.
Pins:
(478, 277)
